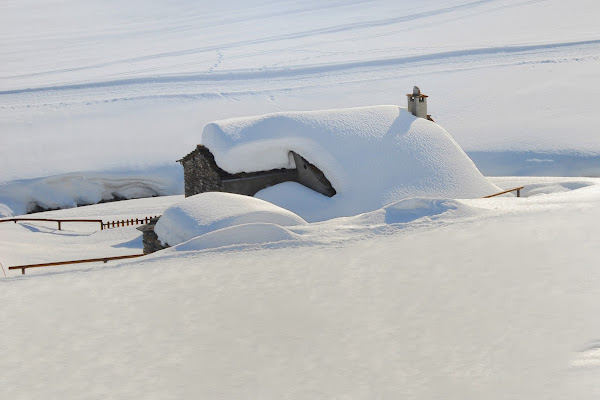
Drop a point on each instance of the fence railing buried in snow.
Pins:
(103, 225)
(59, 221)
(517, 189)
(126, 222)
(89, 260)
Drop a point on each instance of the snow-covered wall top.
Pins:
(371, 155)
(207, 212)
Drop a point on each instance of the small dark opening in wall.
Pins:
(304, 166)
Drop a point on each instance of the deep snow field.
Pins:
(425, 299)
(121, 86)
(416, 288)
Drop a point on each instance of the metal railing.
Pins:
(89, 260)
(107, 225)
(59, 221)
(518, 189)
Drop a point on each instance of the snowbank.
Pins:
(244, 234)
(409, 210)
(207, 212)
(434, 311)
(71, 101)
(83, 188)
(372, 156)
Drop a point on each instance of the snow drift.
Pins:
(84, 188)
(208, 212)
(244, 234)
(409, 210)
(372, 156)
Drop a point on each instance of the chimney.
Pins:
(417, 103)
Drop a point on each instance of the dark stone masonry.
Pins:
(150, 238)
(202, 174)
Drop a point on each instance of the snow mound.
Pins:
(372, 156)
(245, 234)
(587, 358)
(84, 188)
(206, 212)
(312, 206)
(412, 209)
(5, 211)
(409, 210)
(556, 187)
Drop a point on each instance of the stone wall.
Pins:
(202, 174)
(250, 184)
(311, 176)
(150, 238)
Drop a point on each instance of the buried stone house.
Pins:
(353, 160)
(202, 174)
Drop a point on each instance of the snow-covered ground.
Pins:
(426, 299)
(88, 86)
(84, 188)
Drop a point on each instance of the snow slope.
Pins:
(433, 298)
(371, 155)
(423, 299)
(87, 86)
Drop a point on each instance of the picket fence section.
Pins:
(103, 225)
(126, 222)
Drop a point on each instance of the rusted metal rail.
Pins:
(103, 225)
(518, 189)
(103, 259)
(59, 221)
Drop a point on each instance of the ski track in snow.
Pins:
(482, 298)
(356, 26)
(116, 71)
(208, 85)
(549, 51)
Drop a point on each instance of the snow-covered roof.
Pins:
(371, 155)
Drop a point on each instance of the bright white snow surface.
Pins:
(207, 212)
(79, 188)
(372, 156)
(424, 299)
(92, 86)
